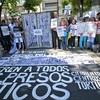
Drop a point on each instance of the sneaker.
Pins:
(85, 48)
(81, 48)
(88, 48)
(73, 47)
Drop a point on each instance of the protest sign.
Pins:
(37, 31)
(60, 31)
(5, 30)
(54, 23)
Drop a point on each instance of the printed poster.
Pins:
(17, 34)
(5, 30)
(60, 31)
(54, 23)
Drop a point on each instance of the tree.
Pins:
(1, 5)
(31, 5)
(78, 6)
(9, 5)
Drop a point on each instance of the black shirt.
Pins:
(17, 29)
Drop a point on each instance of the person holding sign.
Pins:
(18, 40)
(55, 37)
(91, 29)
(81, 30)
(5, 35)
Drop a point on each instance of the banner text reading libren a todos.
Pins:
(44, 82)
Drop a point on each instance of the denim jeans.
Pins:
(82, 41)
(64, 42)
(91, 42)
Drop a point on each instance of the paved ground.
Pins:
(50, 81)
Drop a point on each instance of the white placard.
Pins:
(17, 34)
(54, 23)
(60, 31)
(67, 10)
(5, 30)
(37, 31)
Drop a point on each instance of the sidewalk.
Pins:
(95, 56)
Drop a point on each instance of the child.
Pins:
(64, 37)
(73, 29)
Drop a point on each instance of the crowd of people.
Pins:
(86, 32)
(11, 36)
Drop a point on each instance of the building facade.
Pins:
(52, 5)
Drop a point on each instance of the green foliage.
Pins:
(76, 8)
(64, 2)
(11, 6)
(31, 5)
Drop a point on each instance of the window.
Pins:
(50, 4)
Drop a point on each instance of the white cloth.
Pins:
(91, 29)
(81, 29)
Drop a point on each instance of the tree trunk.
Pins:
(82, 7)
(28, 11)
(80, 11)
(2, 1)
(0, 13)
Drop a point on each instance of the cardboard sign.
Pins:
(37, 31)
(54, 23)
(5, 30)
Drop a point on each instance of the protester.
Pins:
(11, 25)
(98, 15)
(5, 36)
(73, 30)
(98, 30)
(91, 29)
(18, 31)
(64, 38)
(55, 37)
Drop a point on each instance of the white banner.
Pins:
(37, 31)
